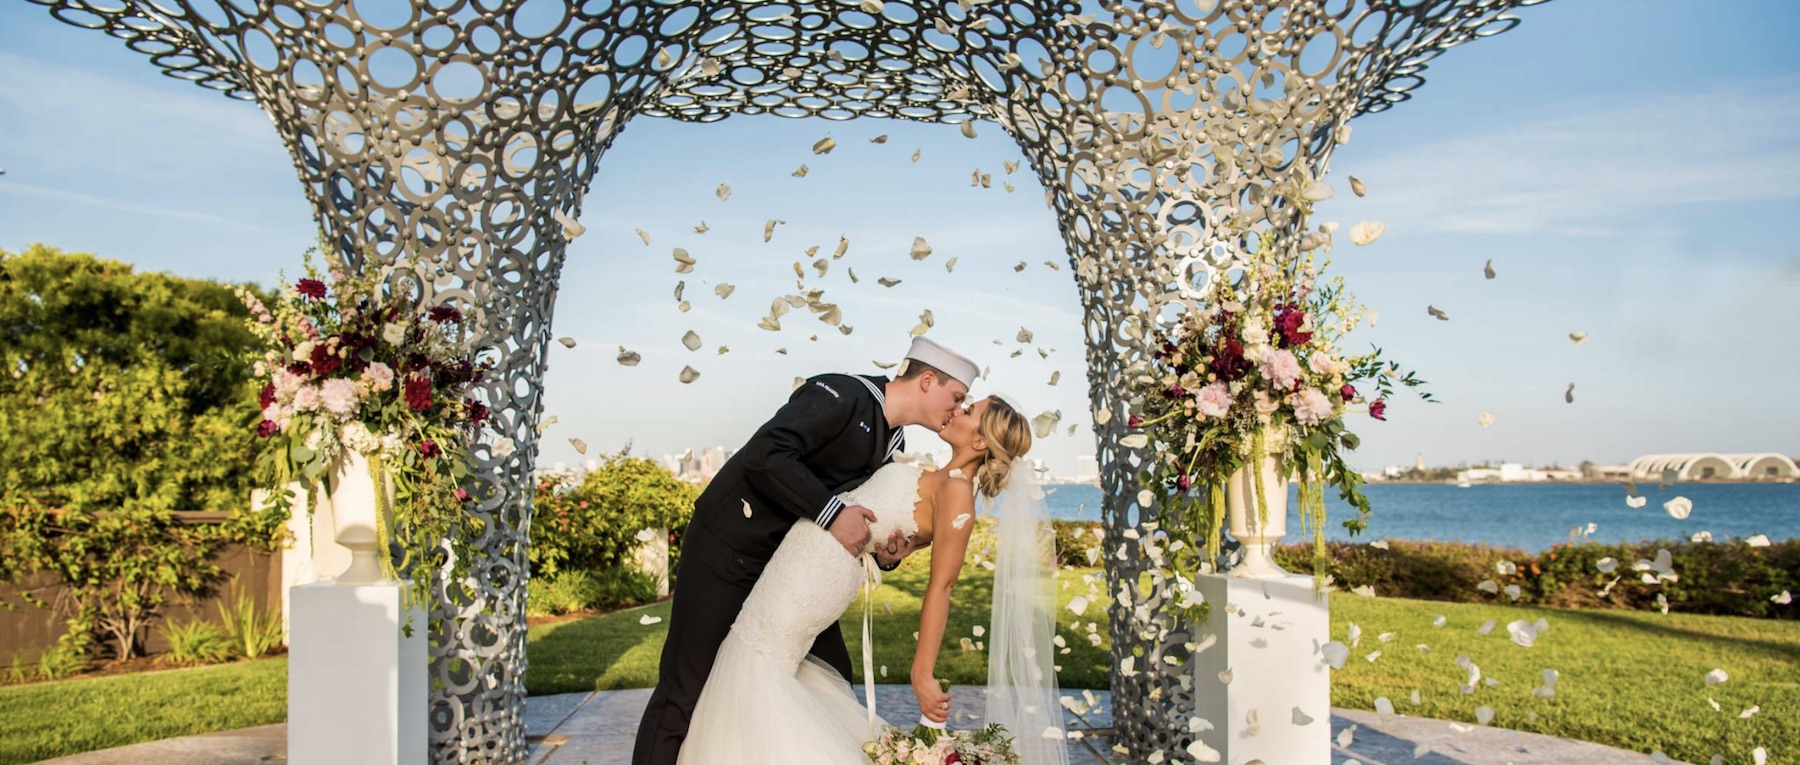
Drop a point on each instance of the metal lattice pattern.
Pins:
(468, 131)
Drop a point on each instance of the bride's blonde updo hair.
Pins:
(1008, 437)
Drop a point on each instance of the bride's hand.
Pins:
(934, 703)
(898, 546)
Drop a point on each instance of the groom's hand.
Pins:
(851, 528)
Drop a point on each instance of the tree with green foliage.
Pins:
(124, 397)
(596, 524)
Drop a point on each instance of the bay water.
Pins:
(1529, 516)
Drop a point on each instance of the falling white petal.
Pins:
(1716, 676)
(570, 227)
(1679, 507)
(1366, 232)
(648, 620)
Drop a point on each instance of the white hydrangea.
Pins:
(306, 398)
(357, 437)
(338, 397)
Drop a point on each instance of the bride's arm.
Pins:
(950, 541)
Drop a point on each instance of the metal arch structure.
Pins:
(467, 131)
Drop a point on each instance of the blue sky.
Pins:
(1631, 167)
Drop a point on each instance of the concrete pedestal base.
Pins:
(1275, 704)
(356, 685)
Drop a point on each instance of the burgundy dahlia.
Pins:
(1229, 362)
(418, 393)
(266, 397)
(1348, 393)
(267, 428)
(312, 288)
(1378, 410)
(478, 412)
(444, 314)
(324, 361)
(1288, 321)
(429, 449)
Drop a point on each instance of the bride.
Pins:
(768, 703)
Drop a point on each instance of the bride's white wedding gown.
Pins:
(767, 702)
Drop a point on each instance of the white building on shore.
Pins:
(1700, 466)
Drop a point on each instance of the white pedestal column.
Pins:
(356, 684)
(653, 559)
(1277, 705)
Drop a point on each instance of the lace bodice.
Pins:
(811, 579)
(892, 494)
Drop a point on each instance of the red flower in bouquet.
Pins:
(429, 449)
(267, 428)
(1229, 362)
(1288, 321)
(444, 314)
(462, 494)
(418, 393)
(324, 361)
(312, 288)
(1349, 393)
(1378, 409)
(478, 412)
(266, 397)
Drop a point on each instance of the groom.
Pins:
(834, 432)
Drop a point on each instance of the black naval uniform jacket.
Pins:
(830, 437)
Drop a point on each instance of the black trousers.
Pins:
(711, 585)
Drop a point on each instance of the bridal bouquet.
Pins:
(1255, 368)
(926, 745)
(353, 365)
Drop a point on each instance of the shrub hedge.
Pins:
(1729, 578)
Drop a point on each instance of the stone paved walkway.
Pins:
(598, 729)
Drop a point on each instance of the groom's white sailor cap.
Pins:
(950, 362)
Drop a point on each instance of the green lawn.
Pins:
(1632, 680)
(45, 720)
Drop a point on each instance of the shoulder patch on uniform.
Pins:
(828, 389)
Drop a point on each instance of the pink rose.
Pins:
(1311, 407)
(1280, 368)
(1213, 400)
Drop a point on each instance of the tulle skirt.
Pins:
(760, 711)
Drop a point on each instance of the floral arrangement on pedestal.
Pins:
(928, 745)
(1251, 386)
(363, 378)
